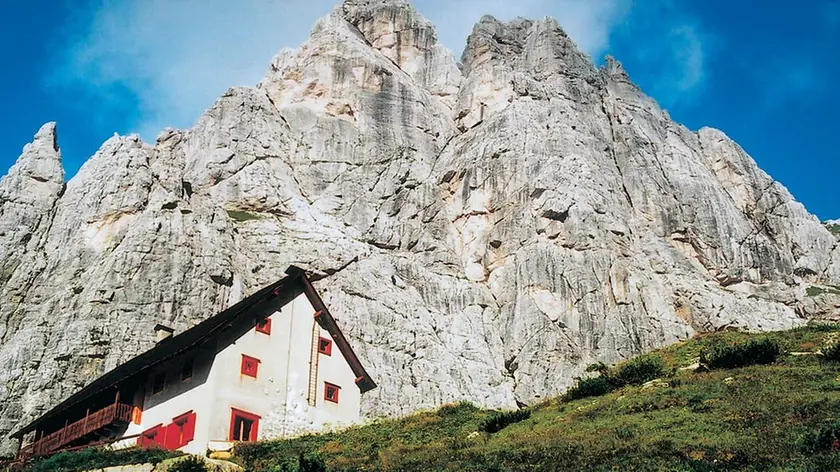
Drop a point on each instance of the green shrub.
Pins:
(589, 387)
(638, 371)
(729, 356)
(500, 420)
(311, 463)
(832, 352)
(599, 367)
(95, 458)
(825, 439)
(819, 327)
(457, 409)
(190, 464)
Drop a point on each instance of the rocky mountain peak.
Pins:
(47, 135)
(41, 159)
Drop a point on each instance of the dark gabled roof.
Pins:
(197, 334)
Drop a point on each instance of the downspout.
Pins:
(288, 364)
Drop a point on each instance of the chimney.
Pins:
(163, 332)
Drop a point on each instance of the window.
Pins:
(331, 392)
(243, 425)
(250, 366)
(325, 346)
(264, 326)
(158, 383)
(187, 370)
(152, 437)
(181, 431)
(172, 436)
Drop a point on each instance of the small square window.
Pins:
(158, 383)
(187, 370)
(331, 392)
(264, 326)
(250, 366)
(325, 346)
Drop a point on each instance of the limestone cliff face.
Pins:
(482, 231)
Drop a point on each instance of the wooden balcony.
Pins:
(99, 423)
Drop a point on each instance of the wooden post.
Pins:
(64, 430)
(84, 428)
(117, 400)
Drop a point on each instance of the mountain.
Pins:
(482, 230)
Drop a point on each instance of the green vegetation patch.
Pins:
(500, 420)
(833, 228)
(633, 372)
(753, 352)
(239, 215)
(815, 291)
(95, 458)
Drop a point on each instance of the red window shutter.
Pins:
(173, 436)
(250, 365)
(189, 428)
(185, 431)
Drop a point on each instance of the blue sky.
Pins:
(763, 72)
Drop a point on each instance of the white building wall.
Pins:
(335, 370)
(279, 393)
(179, 397)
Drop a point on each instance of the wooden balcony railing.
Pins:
(115, 413)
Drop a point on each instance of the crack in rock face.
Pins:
(481, 231)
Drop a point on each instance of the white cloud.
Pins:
(671, 50)
(175, 57)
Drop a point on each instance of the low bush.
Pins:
(832, 352)
(729, 356)
(589, 387)
(190, 464)
(457, 409)
(824, 439)
(638, 371)
(500, 420)
(311, 463)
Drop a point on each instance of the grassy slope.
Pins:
(757, 417)
(752, 418)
